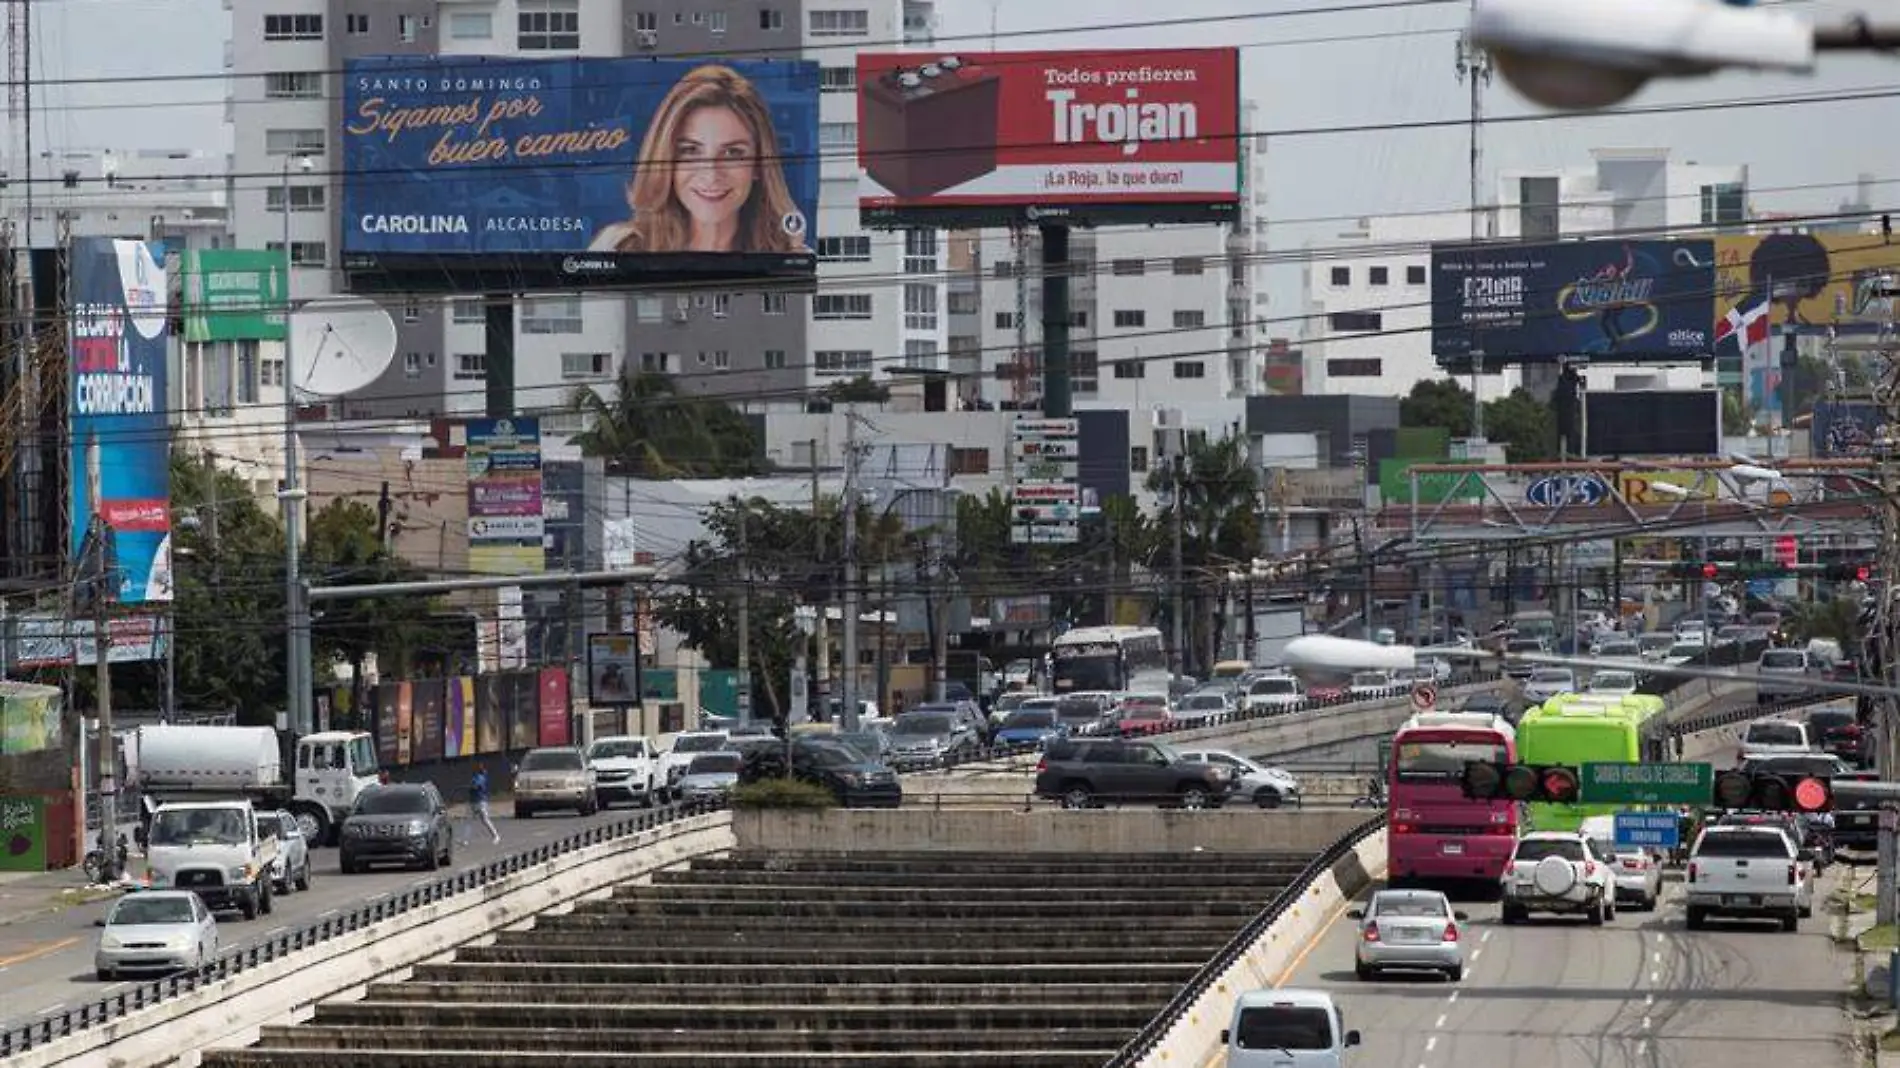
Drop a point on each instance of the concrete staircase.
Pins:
(938, 960)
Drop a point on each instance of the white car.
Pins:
(626, 769)
(1655, 645)
(1773, 666)
(1369, 684)
(1268, 787)
(1546, 683)
(1613, 683)
(291, 869)
(1279, 693)
(1558, 871)
(686, 746)
(1682, 652)
(1637, 872)
(1616, 647)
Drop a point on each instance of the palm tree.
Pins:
(1220, 526)
(647, 429)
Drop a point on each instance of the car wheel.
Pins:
(1512, 915)
(523, 812)
(433, 860)
(1076, 795)
(1595, 914)
(1365, 972)
(1194, 797)
(1791, 922)
(1267, 797)
(303, 877)
(1805, 912)
(266, 901)
(105, 975)
(1609, 907)
(1649, 903)
(1696, 918)
(1455, 974)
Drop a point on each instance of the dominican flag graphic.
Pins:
(1761, 376)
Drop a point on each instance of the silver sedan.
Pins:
(155, 931)
(1409, 929)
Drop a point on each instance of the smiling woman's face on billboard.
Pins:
(717, 158)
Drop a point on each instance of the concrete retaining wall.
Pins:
(1195, 1037)
(1110, 831)
(229, 1012)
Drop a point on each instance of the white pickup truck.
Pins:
(1752, 872)
(1774, 737)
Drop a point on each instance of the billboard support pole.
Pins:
(1056, 400)
(498, 324)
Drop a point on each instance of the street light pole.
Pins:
(297, 617)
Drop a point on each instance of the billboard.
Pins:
(613, 669)
(120, 450)
(1653, 422)
(1005, 138)
(1816, 281)
(505, 524)
(233, 294)
(473, 173)
(1613, 300)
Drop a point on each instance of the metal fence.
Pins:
(64, 1022)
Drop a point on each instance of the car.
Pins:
(1545, 683)
(1143, 714)
(1031, 728)
(1276, 693)
(929, 738)
(872, 743)
(1637, 872)
(155, 932)
(1616, 647)
(1269, 787)
(1081, 713)
(1811, 831)
(854, 782)
(1767, 737)
(1655, 646)
(1857, 823)
(1366, 685)
(557, 777)
(710, 776)
(624, 767)
(403, 822)
(1558, 871)
(1613, 683)
(1286, 1028)
(1682, 652)
(1084, 772)
(1774, 667)
(291, 868)
(1413, 930)
(1749, 872)
(1839, 731)
(686, 746)
(1204, 707)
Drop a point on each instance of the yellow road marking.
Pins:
(35, 954)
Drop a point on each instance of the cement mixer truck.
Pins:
(327, 771)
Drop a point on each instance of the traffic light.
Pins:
(1768, 792)
(1849, 572)
(1521, 782)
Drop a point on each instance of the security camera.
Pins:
(1584, 55)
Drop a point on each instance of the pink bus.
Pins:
(1434, 833)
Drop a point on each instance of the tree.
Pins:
(1737, 420)
(859, 390)
(1837, 618)
(1217, 497)
(1438, 402)
(648, 429)
(1524, 425)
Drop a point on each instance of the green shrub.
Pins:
(782, 793)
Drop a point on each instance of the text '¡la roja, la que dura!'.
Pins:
(471, 130)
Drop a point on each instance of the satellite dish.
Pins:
(340, 345)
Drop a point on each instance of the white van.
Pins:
(1287, 1029)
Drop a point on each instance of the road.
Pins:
(46, 964)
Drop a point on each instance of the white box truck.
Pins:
(329, 770)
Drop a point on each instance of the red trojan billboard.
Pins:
(995, 138)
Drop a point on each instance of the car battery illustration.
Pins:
(925, 129)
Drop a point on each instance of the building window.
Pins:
(838, 136)
(412, 313)
(1005, 320)
(841, 361)
(921, 353)
(1004, 269)
(1355, 322)
(775, 359)
(247, 372)
(1724, 204)
(1539, 211)
(965, 302)
(722, 360)
(293, 85)
(838, 79)
(294, 27)
(722, 305)
(302, 198)
(850, 248)
(303, 253)
(840, 23)
(656, 363)
(1190, 319)
(772, 303)
(1377, 276)
(715, 22)
(1128, 268)
(1342, 276)
(354, 25)
(1138, 458)
(969, 461)
(841, 306)
(1078, 320)
(471, 366)
(920, 251)
(646, 22)
(1129, 318)
(471, 25)
(771, 19)
(1363, 367)
(920, 306)
(293, 142)
(586, 364)
(412, 365)
(1189, 265)
(1130, 369)
(1415, 275)
(273, 372)
(1190, 369)
(648, 309)
(551, 315)
(548, 26)
(406, 28)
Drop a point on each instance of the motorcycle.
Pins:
(98, 870)
(1374, 797)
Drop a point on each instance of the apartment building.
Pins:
(880, 296)
(1367, 292)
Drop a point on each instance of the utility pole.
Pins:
(1474, 69)
(743, 696)
(1176, 654)
(297, 665)
(851, 609)
(1886, 638)
(821, 626)
(103, 568)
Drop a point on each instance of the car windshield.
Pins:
(1078, 708)
(1784, 660)
(714, 764)
(1443, 761)
(1416, 905)
(1031, 720)
(139, 909)
(388, 802)
(1817, 766)
(1135, 711)
(1686, 649)
(1039, 704)
(866, 742)
(921, 725)
(1766, 843)
(1284, 1027)
(203, 826)
(1206, 700)
(1831, 721)
(607, 750)
(1774, 734)
(1282, 685)
(552, 760)
(1483, 704)
(1536, 849)
(1617, 649)
(1559, 677)
(1655, 641)
(1369, 678)
(833, 755)
(1524, 645)
(698, 743)
(1613, 680)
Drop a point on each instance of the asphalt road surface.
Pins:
(46, 964)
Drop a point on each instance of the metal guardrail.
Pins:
(1183, 1001)
(62, 1023)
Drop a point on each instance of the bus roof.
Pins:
(1471, 721)
(1578, 739)
(1094, 635)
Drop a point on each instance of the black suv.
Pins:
(855, 781)
(1084, 772)
(404, 823)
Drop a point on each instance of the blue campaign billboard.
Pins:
(1606, 300)
(120, 458)
(462, 172)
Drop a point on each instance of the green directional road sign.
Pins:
(1647, 784)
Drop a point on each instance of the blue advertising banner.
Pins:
(120, 459)
(1603, 299)
(579, 172)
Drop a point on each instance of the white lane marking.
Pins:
(1454, 998)
(1485, 937)
(276, 930)
(54, 1007)
(1431, 1043)
(1645, 1023)
(1476, 953)
(1648, 1000)
(1656, 956)
(1641, 1045)
(1440, 1024)
(1655, 977)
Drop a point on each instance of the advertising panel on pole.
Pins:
(476, 173)
(121, 435)
(233, 294)
(1652, 422)
(613, 669)
(1045, 491)
(1841, 282)
(505, 527)
(1608, 300)
(1012, 138)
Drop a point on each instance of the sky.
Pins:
(1308, 73)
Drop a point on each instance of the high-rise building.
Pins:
(880, 298)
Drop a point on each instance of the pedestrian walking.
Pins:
(478, 805)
